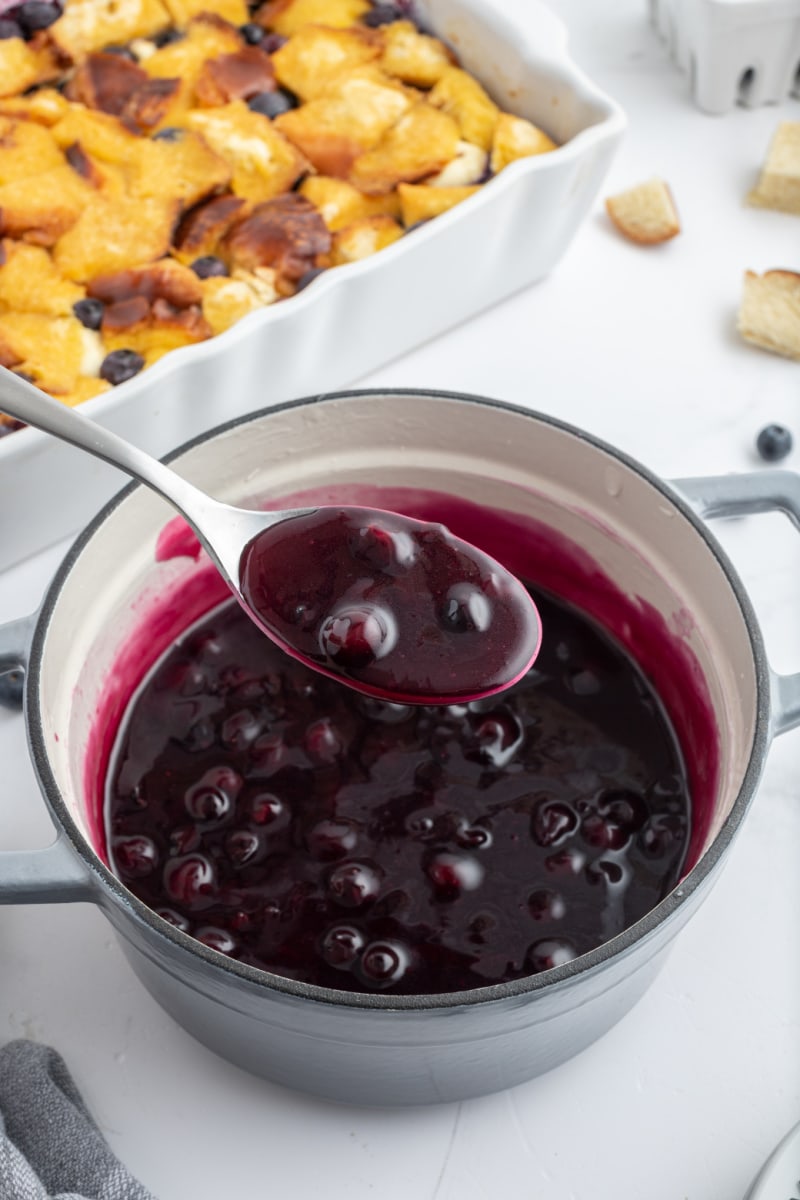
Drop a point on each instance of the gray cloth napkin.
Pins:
(50, 1148)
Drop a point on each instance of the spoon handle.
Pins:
(27, 403)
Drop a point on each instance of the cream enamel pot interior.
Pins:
(645, 535)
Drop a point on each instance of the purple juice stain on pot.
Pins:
(446, 810)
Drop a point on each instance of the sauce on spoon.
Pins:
(397, 608)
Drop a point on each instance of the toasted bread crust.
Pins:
(645, 214)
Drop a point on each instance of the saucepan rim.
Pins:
(594, 960)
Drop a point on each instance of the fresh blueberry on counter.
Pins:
(774, 443)
(272, 104)
(208, 265)
(89, 312)
(120, 365)
(11, 689)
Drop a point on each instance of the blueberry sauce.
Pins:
(398, 608)
(334, 838)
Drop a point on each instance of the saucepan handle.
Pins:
(54, 873)
(738, 495)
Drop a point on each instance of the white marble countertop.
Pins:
(685, 1098)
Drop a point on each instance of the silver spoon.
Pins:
(486, 633)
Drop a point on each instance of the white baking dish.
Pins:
(355, 317)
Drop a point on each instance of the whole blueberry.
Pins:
(272, 104)
(36, 14)
(381, 14)
(774, 443)
(170, 133)
(208, 265)
(273, 42)
(89, 312)
(167, 36)
(252, 33)
(309, 277)
(11, 684)
(9, 29)
(120, 365)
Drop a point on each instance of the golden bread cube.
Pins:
(31, 282)
(50, 350)
(363, 238)
(779, 183)
(26, 149)
(235, 76)
(45, 106)
(182, 11)
(166, 279)
(157, 104)
(227, 299)
(288, 16)
(87, 25)
(202, 230)
(340, 203)
(41, 208)
(769, 314)
(420, 202)
(423, 141)
(264, 163)
(86, 388)
(113, 233)
(412, 56)
(185, 169)
(458, 94)
(287, 234)
(514, 138)
(24, 64)
(100, 135)
(646, 213)
(206, 37)
(350, 117)
(307, 63)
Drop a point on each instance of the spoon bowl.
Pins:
(396, 608)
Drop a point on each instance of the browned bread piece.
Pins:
(645, 214)
(779, 184)
(114, 233)
(363, 238)
(87, 25)
(340, 203)
(182, 11)
(41, 208)
(476, 114)
(769, 314)
(422, 142)
(24, 64)
(414, 57)
(313, 57)
(420, 202)
(264, 164)
(288, 16)
(350, 116)
(31, 282)
(516, 138)
(287, 234)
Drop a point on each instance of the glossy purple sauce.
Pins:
(660, 649)
(397, 607)
(348, 842)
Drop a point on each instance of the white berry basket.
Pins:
(734, 51)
